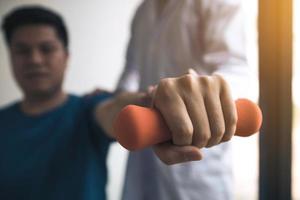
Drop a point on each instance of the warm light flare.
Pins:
(296, 70)
(296, 101)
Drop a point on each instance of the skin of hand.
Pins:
(199, 111)
(106, 112)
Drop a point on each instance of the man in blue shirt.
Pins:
(51, 142)
(50, 145)
(53, 145)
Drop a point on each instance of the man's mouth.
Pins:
(36, 75)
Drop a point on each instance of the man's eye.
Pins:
(47, 49)
(21, 51)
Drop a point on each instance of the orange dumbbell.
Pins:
(138, 127)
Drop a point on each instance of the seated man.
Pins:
(53, 145)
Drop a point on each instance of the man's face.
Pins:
(39, 59)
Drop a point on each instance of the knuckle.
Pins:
(229, 133)
(164, 92)
(188, 81)
(183, 135)
(202, 140)
(205, 137)
(232, 119)
(227, 137)
(218, 130)
(219, 78)
(205, 81)
(222, 82)
(165, 87)
(165, 83)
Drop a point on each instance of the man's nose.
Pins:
(36, 57)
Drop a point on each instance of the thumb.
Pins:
(193, 72)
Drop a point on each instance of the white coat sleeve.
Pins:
(130, 78)
(224, 42)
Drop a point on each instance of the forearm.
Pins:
(106, 112)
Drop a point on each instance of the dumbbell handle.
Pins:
(138, 127)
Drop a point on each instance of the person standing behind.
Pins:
(167, 38)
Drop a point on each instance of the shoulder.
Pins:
(8, 115)
(9, 108)
(92, 99)
(82, 103)
(143, 14)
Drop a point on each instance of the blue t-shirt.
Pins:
(58, 155)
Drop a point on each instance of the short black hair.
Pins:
(31, 15)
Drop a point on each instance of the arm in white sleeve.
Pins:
(224, 46)
(130, 78)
